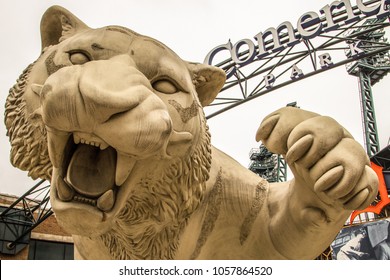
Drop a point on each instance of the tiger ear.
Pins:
(208, 81)
(58, 24)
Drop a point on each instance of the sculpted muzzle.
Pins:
(83, 107)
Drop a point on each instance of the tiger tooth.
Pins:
(36, 88)
(56, 144)
(106, 201)
(124, 166)
(103, 146)
(64, 191)
(76, 139)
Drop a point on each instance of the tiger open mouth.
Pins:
(90, 171)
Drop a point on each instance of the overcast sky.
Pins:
(191, 29)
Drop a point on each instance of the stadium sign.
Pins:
(308, 26)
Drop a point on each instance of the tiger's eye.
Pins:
(78, 58)
(165, 86)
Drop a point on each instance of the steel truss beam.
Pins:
(241, 87)
(368, 112)
(369, 71)
(25, 214)
(282, 169)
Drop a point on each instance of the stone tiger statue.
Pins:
(115, 120)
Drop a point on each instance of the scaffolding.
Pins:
(267, 165)
(369, 70)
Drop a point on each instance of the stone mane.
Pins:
(28, 151)
(152, 220)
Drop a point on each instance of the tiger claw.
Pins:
(276, 127)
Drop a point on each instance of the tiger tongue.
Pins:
(91, 171)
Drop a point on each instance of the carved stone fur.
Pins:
(28, 151)
(150, 224)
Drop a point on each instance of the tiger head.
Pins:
(112, 118)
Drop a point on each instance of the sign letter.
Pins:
(368, 11)
(380, 10)
(355, 51)
(296, 72)
(210, 56)
(246, 59)
(269, 81)
(279, 42)
(384, 10)
(325, 60)
(309, 20)
(328, 12)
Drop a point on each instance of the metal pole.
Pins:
(369, 121)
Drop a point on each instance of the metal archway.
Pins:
(306, 58)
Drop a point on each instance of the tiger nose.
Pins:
(82, 96)
(110, 88)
